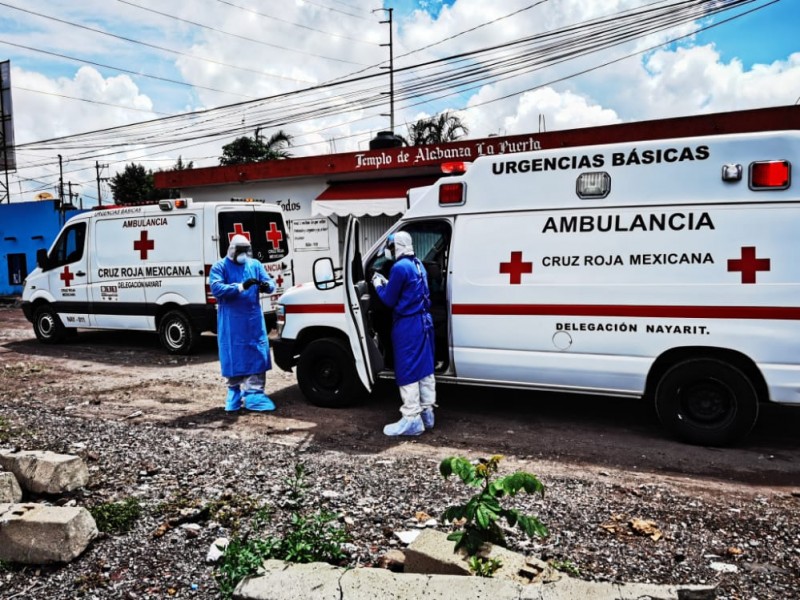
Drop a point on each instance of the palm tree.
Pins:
(441, 128)
(248, 149)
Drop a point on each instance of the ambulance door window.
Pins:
(69, 247)
(271, 247)
(233, 222)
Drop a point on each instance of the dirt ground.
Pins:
(128, 376)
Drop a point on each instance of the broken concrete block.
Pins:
(36, 534)
(43, 472)
(9, 488)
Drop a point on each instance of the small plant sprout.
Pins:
(482, 511)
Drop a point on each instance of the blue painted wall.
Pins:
(24, 228)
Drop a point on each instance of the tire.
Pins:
(177, 334)
(706, 401)
(327, 376)
(48, 326)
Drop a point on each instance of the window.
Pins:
(69, 247)
(17, 268)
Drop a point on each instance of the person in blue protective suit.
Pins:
(406, 293)
(236, 282)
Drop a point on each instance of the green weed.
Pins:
(116, 517)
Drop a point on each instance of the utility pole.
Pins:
(97, 167)
(60, 182)
(390, 67)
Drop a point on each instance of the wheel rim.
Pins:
(175, 334)
(46, 325)
(327, 375)
(707, 403)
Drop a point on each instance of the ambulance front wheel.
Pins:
(327, 376)
(176, 333)
(707, 401)
(48, 326)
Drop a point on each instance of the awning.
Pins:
(367, 197)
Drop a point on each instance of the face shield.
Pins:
(388, 250)
(240, 249)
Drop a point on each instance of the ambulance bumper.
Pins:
(283, 353)
(27, 310)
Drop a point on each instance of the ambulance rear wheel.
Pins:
(176, 333)
(707, 401)
(48, 326)
(326, 374)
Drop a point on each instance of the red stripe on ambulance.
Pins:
(785, 313)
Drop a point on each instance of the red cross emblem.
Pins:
(66, 276)
(279, 280)
(274, 236)
(515, 268)
(748, 264)
(238, 229)
(143, 245)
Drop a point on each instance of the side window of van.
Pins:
(69, 246)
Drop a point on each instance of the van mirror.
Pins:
(41, 259)
(325, 274)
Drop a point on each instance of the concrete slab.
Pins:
(44, 472)
(286, 581)
(36, 534)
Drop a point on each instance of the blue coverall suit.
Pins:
(241, 331)
(406, 293)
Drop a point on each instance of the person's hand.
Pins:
(378, 280)
(249, 283)
(267, 286)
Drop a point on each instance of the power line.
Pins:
(144, 110)
(153, 46)
(121, 70)
(241, 37)
(266, 16)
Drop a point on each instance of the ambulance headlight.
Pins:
(593, 185)
(281, 314)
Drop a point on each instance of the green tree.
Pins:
(441, 128)
(248, 149)
(182, 166)
(133, 184)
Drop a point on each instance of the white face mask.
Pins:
(241, 258)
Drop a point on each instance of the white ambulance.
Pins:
(663, 269)
(146, 268)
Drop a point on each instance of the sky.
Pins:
(104, 83)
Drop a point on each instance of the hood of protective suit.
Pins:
(403, 246)
(239, 241)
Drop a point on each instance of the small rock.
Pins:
(723, 567)
(394, 560)
(407, 536)
(217, 549)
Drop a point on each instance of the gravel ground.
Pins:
(754, 533)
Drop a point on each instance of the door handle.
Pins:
(80, 274)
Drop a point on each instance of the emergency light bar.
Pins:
(451, 194)
(593, 185)
(454, 168)
(166, 205)
(770, 175)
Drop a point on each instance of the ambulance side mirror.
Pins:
(325, 274)
(41, 259)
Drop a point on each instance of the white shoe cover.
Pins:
(405, 426)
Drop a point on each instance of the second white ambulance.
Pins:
(664, 269)
(146, 268)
